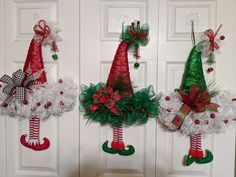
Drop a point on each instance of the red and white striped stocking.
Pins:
(117, 142)
(34, 125)
(199, 152)
(192, 151)
(114, 143)
(34, 142)
(120, 138)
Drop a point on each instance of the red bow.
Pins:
(105, 97)
(211, 35)
(42, 29)
(135, 34)
(195, 101)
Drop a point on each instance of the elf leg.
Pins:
(121, 145)
(200, 159)
(31, 131)
(114, 144)
(192, 151)
(199, 152)
(122, 150)
(34, 142)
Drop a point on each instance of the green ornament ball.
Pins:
(55, 56)
(136, 65)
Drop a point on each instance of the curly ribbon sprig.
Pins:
(18, 84)
(211, 35)
(135, 35)
(105, 97)
(42, 29)
(193, 101)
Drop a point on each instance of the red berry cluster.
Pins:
(46, 106)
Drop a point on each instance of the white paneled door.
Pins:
(17, 20)
(90, 31)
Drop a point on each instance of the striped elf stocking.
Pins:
(120, 138)
(196, 146)
(34, 142)
(192, 150)
(196, 153)
(117, 142)
(117, 145)
(199, 152)
(114, 143)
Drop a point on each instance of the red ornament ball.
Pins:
(226, 121)
(25, 102)
(206, 122)
(38, 104)
(46, 106)
(209, 70)
(222, 37)
(142, 110)
(212, 115)
(61, 92)
(5, 105)
(49, 103)
(197, 122)
(234, 99)
(60, 81)
(167, 98)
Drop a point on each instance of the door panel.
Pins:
(101, 25)
(174, 46)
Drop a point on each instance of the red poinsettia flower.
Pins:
(105, 97)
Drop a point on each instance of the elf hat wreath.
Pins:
(28, 95)
(115, 102)
(195, 109)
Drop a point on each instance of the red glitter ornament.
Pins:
(222, 37)
(212, 116)
(38, 104)
(60, 81)
(234, 99)
(25, 102)
(209, 70)
(197, 121)
(226, 121)
(5, 105)
(167, 98)
(61, 92)
(49, 103)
